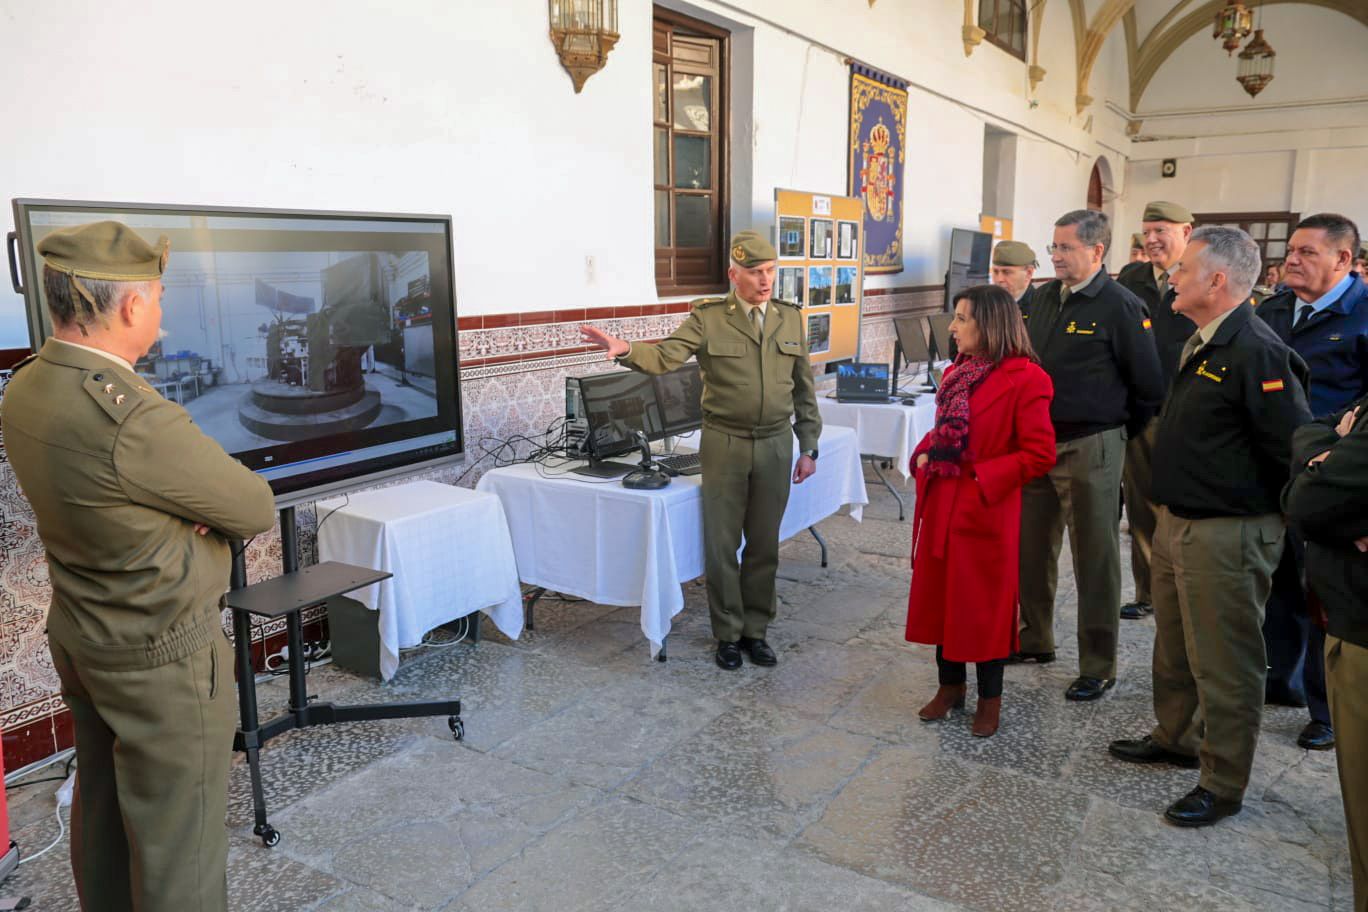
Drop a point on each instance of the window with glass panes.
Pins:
(688, 72)
(1270, 230)
(1005, 24)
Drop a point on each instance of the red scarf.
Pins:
(950, 437)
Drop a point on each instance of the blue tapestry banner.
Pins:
(878, 133)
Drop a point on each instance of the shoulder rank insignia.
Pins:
(707, 302)
(1272, 386)
(24, 363)
(1203, 372)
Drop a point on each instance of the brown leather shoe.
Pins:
(986, 717)
(948, 697)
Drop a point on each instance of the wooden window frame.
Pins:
(1245, 219)
(667, 22)
(994, 36)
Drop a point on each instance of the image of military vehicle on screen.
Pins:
(267, 348)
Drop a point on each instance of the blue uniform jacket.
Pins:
(1333, 343)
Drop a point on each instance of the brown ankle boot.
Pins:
(948, 697)
(986, 716)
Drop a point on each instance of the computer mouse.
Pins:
(645, 480)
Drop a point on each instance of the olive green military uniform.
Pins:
(755, 384)
(118, 478)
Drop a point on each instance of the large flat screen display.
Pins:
(318, 348)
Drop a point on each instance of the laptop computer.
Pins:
(863, 382)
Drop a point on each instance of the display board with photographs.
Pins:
(820, 245)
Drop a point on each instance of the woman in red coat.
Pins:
(992, 435)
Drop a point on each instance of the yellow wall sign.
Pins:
(820, 242)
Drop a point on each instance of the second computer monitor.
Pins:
(940, 336)
(679, 396)
(616, 406)
(911, 334)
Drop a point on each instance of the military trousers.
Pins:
(153, 746)
(1078, 493)
(1210, 581)
(1136, 482)
(1346, 672)
(745, 490)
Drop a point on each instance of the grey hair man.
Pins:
(1094, 340)
(1221, 455)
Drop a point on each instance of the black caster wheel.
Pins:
(270, 836)
(457, 727)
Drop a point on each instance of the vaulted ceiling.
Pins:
(1153, 30)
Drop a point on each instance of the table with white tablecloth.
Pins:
(448, 548)
(886, 430)
(595, 539)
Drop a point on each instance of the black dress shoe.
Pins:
(1134, 611)
(728, 655)
(1277, 693)
(1317, 736)
(1147, 750)
(1040, 658)
(759, 651)
(1084, 689)
(1199, 808)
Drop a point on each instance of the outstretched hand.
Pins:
(615, 347)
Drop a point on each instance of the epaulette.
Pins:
(794, 304)
(29, 360)
(113, 393)
(707, 302)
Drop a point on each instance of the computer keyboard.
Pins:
(681, 463)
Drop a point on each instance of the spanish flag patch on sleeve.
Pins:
(1273, 386)
(1146, 323)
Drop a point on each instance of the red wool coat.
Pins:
(966, 530)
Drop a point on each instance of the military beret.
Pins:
(1137, 241)
(1160, 211)
(749, 248)
(107, 251)
(1013, 253)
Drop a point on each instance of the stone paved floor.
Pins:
(592, 778)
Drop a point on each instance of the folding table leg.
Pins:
(874, 464)
(821, 541)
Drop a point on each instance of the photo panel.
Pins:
(792, 229)
(819, 286)
(820, 234)
(819, 333)
(847, 240)
(846, 276)
(789, 284)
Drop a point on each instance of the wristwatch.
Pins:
(810, 454)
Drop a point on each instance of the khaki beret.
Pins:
(1160, 211)
(749, 248)
(107, 251)
(1137, 241)
(1013, 253)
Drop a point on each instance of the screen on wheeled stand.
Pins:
(318, 348)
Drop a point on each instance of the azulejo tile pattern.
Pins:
(592, 778)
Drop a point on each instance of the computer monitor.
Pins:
(971, 254)
(614, 406)
(679, 400)
(943, 346)
(859, 381)
(911, 345)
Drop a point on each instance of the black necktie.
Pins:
(1302, 317)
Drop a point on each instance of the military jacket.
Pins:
(754, 385)
(118, 477)
(1171, 330)
(1224, 439)
(1334, 344)
(1098, 349)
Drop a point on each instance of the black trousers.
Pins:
(989, 674)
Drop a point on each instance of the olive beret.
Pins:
(1014, 253)
(1160, 211)
(1137, 241)
(749, 248)
(107, 251)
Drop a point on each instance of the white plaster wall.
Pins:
(1320, 54)
(461, 107)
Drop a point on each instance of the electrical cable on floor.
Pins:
(61, 834)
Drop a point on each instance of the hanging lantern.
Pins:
(583, 31)
(1256, 64)
(1233, 24)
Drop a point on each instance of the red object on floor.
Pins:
(9, 855)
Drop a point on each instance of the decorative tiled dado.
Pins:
(513, 370)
